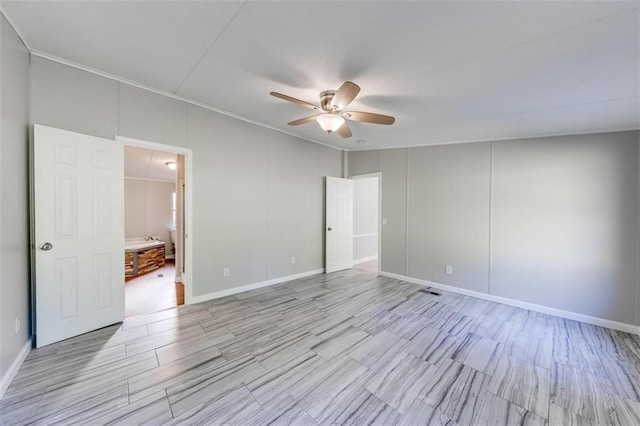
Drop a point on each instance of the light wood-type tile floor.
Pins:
(342, 348)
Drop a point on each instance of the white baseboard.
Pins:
(236, 290)
(629, 328)
(15, 366)
(365, 259)
(170, 257)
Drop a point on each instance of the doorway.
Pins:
(366, 222)
(78, 249)
(156, 212)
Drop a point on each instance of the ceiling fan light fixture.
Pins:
(333, 117)
(330, 122)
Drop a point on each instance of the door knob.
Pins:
(46, 246)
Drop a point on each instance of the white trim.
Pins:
(365, 259)
(140, 143)
(374, 234)
(629, 328)
(76, 65)
(151, 179)
(15, 366)
(18, 32)
(267, 283)
(366, 176)
(187, 250)
(515, 138)
(188, 204)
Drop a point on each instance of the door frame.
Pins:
(188, 210)
(379, 176)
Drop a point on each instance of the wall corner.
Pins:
(345, 163)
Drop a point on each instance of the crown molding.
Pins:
(133, 83)
(22, 39)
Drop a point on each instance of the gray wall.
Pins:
(364, 162)
(565, 223)
(393, 165)
(14, 208)
(147, 210)
(393, 250)
(448, 204)
(551, 221)
(257, 193)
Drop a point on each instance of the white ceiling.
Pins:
(448, 71)
(144, 163)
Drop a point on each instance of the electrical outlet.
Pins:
(384, 220)
(18, 324)
(448, 269)
(226, 272)
(293, 260)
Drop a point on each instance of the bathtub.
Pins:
(142, 256)
(137, 244)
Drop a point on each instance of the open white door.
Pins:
(339, 230)
(78, 192)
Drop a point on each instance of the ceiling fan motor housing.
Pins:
(325, 100)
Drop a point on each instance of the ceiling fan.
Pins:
(332, 116)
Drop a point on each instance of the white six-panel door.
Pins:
(339, 224)
(78, 194)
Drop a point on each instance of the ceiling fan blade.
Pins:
(369, 117)
(295, 101)
(344, 130)
(345, 94)
(303, 121)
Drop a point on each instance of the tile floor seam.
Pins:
(569, 357)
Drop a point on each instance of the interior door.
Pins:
(339, 224)
(78, 193)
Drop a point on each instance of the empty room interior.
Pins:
(353, 212)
